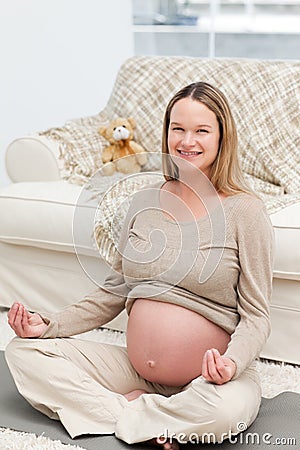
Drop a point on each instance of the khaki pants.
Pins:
(81, 383)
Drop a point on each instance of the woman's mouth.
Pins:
(189, 154)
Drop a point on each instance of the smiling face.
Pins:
(194, 133)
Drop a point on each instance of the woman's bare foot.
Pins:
(135, 394)
(165, 444)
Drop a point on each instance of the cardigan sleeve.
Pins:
(100, 306)
(255, 245)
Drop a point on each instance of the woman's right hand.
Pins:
(24, 323)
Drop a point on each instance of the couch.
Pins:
(56, 243)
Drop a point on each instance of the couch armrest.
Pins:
(33, 158)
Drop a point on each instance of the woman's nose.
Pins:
(188, 139)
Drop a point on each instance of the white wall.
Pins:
(59, 59)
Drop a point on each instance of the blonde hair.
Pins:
(226, 175)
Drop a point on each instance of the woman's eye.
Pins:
(202, 131)
(177, 129)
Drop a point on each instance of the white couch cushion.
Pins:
(286, 223)
(40, 214)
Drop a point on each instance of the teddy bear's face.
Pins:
(118, 129)
(121, 132)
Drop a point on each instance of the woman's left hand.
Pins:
(216, 368)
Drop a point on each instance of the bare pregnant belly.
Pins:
(166, 342)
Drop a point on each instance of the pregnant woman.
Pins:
(194, 271)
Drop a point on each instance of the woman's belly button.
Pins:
(166, 342)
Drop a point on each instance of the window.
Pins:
(268, 29)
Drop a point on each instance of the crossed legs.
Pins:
(93, 389)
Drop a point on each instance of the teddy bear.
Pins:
(119, 133)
